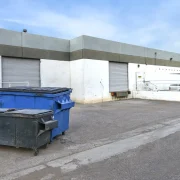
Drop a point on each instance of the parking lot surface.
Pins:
(128, 139)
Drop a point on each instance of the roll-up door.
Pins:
(20, 72)
(118, 80)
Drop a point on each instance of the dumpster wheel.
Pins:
(36, 152)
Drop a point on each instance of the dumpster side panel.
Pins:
(64, 125)
(59, 129)
(43, 139)
(30, 133)
(43, 103)
(7, 101)
(61, 112)
(24, 102)
(7, 131)
(26, 137)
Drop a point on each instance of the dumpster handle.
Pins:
(48, 125)
(66, 105)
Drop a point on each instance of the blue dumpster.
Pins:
(55, 99)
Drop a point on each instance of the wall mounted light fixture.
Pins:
(25, 30)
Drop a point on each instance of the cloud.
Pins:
(89, 22)
(159, 29)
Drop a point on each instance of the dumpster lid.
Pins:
(30, 113)
(48, 90)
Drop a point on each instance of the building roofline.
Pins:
(26, 45)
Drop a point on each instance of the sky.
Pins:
(150, 23)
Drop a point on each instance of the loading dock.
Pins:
(20, 72)
(118, 77)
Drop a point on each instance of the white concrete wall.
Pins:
(161, 76)
(159, 95)
(77, 80)
(90, 81)
(96, 81)
(55, 73)
(158, 75)
(132, 70)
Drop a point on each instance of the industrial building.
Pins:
(96, 69)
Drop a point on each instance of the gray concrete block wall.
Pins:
(19, 44)
(132, 50)
(44, 42)
(76, 44)
(176, 57)
(150, 53)
(25, 45)
(130, 53)
(98, 44)
(11, 38)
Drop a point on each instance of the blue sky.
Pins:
(152, 23)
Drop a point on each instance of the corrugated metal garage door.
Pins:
(118, 80)
(20, 72)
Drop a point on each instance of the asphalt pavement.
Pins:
(128, 139)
